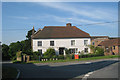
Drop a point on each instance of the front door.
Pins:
(61, 50)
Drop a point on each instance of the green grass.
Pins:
(71, 60)
(9, 72)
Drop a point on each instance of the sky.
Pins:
(19, 17)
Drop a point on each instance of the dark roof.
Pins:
(60, 32)
(111, 42)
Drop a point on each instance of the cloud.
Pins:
(71, 19)
(87, 11)
(20, 17)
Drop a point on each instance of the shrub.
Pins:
(73, 56)
(67, 51)
(99, 51)
(45, 57)
(35, 55)
(55, 56)
(61, 57)
(50, 53)
(69, 56)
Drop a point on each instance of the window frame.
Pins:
(85, 42)
(40, 51)
(52, 43)
(85, 50)
(39, 43)
(72, 42)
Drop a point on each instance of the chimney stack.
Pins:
(33, 31)
(68, 25)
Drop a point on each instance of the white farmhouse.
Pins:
(61, 38)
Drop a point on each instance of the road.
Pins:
(68, 70)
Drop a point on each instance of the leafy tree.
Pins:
(24, 46)
(5, 54)
(14, 48)
(28, 40)
(50, 53)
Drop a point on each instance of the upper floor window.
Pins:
(51, 43)
(72, 42)
(85, 42)
(39, 43)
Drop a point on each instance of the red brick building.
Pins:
(111, 46)
(96, 40)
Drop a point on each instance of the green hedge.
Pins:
(61, 57)
(90, 55)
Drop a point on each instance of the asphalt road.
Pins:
(100, 69)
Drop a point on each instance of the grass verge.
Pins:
(81, 59)
(9, 72)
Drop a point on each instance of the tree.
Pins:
(24, 46)
(28, 40)
(14, 48)
(5, 54)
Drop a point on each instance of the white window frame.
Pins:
(72, 42)
(39, 43)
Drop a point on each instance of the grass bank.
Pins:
(71, 60)
(9, 72)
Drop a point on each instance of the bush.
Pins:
(99, 51)
(50, 53)
(55, 56)
(68, 56)
(34, 56)
(67, 51)
(73, 56)
(61, 57)
(90, 55)
(45, 57)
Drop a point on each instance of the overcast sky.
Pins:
(19, 17)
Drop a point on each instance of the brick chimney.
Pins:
(33, 31)
(68, 25)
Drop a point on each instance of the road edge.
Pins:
(18, 74)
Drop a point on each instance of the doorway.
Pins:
(61, 50)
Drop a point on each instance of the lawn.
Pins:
(9, 72)
(71, 60)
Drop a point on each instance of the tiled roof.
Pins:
(111, 42)
(67, 31)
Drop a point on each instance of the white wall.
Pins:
(79, 43)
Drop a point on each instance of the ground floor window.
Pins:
(86, 50)
(73, 50)
(40, 51)
(61, 50)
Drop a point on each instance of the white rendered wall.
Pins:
(79, 43)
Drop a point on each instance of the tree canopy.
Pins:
(24, 46)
